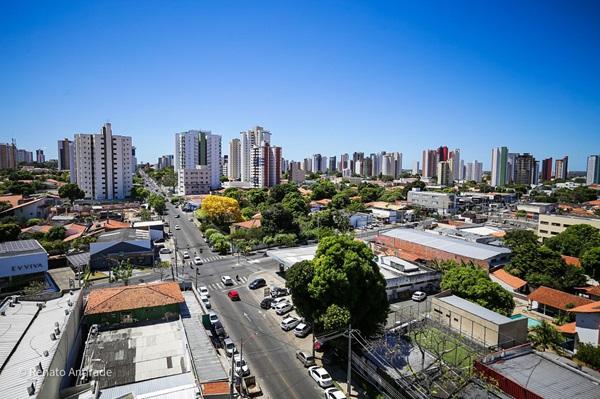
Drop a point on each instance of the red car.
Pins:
(233, 295)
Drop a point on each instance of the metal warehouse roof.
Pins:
(475, 309)
(448, 244)
(21, 247)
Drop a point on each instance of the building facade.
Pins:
(499, 164)
(551, 225)
(103, 164)
(562, 168)
(444, 173)
(66, 157)
(8, 156)
(526, 169)
(196, 148)
(442, 203)
(546, 169)
(593, 170)
(234, 167)
(474, 171)
(39, 156)
(260, 162)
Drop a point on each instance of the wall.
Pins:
(551, 225)
(587, 327)
(170, 312)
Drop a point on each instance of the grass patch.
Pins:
(453, 352)
(95, 276)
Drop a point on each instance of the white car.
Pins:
(197, 260)
(186, 255)
(230, 348)
(240, 366)
(334, 393)
(165, 251)
(283, 308)
(277, 301)
(203, 291)
(213, 317)
(302, 330)
(177, 227)
(205, 301)
(289, 322)
(227, 280)
(419, 296)
(321, 376)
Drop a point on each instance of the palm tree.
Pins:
(545, 336)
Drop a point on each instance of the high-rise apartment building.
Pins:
(443, 154)
(562, 168)
(430, 161)
(547, 169)
(66, 157)
(133, 161)
(296, 173)
(165, 161)
(593, 170)
(8, 156)
(103, 164)
(39, 156)
(499, 166)
(455, 164)
(24, 156)
(444, 173)
(332, 164)
(474, 171)
(344, 158)
(526, 169)
(415, 168)
(391, 164)
(196, 148)
(307, 165)
(235, 153)
(317, 163)
(260, 162)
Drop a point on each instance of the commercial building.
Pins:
(499, 165)
(592, 173)
(403, 278)
(39, 341)
(39, 156)
(562, 168)
(196, 148)
(484, 326)
(20, 262)
(547, 169)
(103, 165)
(442, 203)
(8, 156)
(194, 181)
(551, 225)
(416, 244)
(112, 247)
(235, 154)
(154, 227)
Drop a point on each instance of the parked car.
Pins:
(289, 322)
(176, 215)
(257, 283)
(233, 295)
(219, 329)
(283, 308)
(203, 291)
(321, 376)
(302, 330)
(334, 393)
(165, 251)
(419, 296)
(186, 255)
(240, 367)
(275, 302)
(227, 280)
(277, 292)
(266, 303)
(205, 301)
(212, 316)
(197, 260)
(230, 348)
(305, 358)
(177, 227)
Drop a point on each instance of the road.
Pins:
(269, 351)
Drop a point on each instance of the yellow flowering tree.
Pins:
(220, 210)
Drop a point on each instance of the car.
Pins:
(164, 251)
(289, 322)
(419, 296)
(240, 367)
(219, 329)
(302, 330)
(334, 393)
(233, 295)
(230, 348)
(257, 283)
(191, 219)
(212, 316)
(266, 303)
(226, 280)
(205, 301)
(177, 227)
(203, 291)
(197, 260)
(176, 216)
(283, 308)
(321, 376)
(305, 358)
(277, 292)
(186, 255)
(275, 302)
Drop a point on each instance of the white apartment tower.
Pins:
(235, 152)
(197, 162)
(260, 162)
(252, 138)
(103, 164)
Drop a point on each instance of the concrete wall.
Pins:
(587, 326)
(551, 225)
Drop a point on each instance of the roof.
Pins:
(79, 260)
(215, 388)
(591, 290)
(13, 199)
(448, 244)
(514, 281)
(249, 224)
(177, 386)
(40, 228)
(18, 248)
(593, 307)
(571, 260)
(149, 223)
(557, 299)
(34, 201)
(124, 235)
(569, 328)
(116, 299)
(475, 309)
(111, 224)
(291, 256)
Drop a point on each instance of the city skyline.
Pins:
(473, 80)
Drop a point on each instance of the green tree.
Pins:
(279, 191)
(295, 204)
(221, 246)
(322, 189)
(157, 202)
(575, 240)
(545, 336)
(4, 205)
(589, 354)
(34, 222)
(472, 283)
(277, 219)
(122, 270)
(257, 197)
(393, 195)
(56, 233)
(145, 215)
(9, 232)
(340, 200)
(341, 280)
(369, 192)
(356, 206)
(517, 237)
(590, 261)
(71, 191)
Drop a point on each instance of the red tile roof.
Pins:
(514, 281)
(568, 328)
(571, 260)
(139, 296)
(557, 299)
(593, 307)
(591, 290)
(248, 224)
(13, 199)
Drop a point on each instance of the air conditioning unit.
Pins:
(52, 337)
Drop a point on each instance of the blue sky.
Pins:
(323, 76)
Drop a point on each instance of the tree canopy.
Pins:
(575, 240)
(9, 232)
(220, 210)
(323, 188)
(71, 191)
(341, 284)
(157, 202)
(590, 261)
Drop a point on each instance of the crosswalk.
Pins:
(218, 286)
(209, 259)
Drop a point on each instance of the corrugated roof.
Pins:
(448, 244)
(475, 309)
(21, 247)
(557, 299)
(174, 386)
(79, 260)
(115, 299)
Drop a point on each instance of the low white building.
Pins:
(403, 278)
(587, 323)
(154, 227)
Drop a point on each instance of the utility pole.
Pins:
(231, 385)
(197, 272)
(348, 381)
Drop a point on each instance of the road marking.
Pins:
(247, 317)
